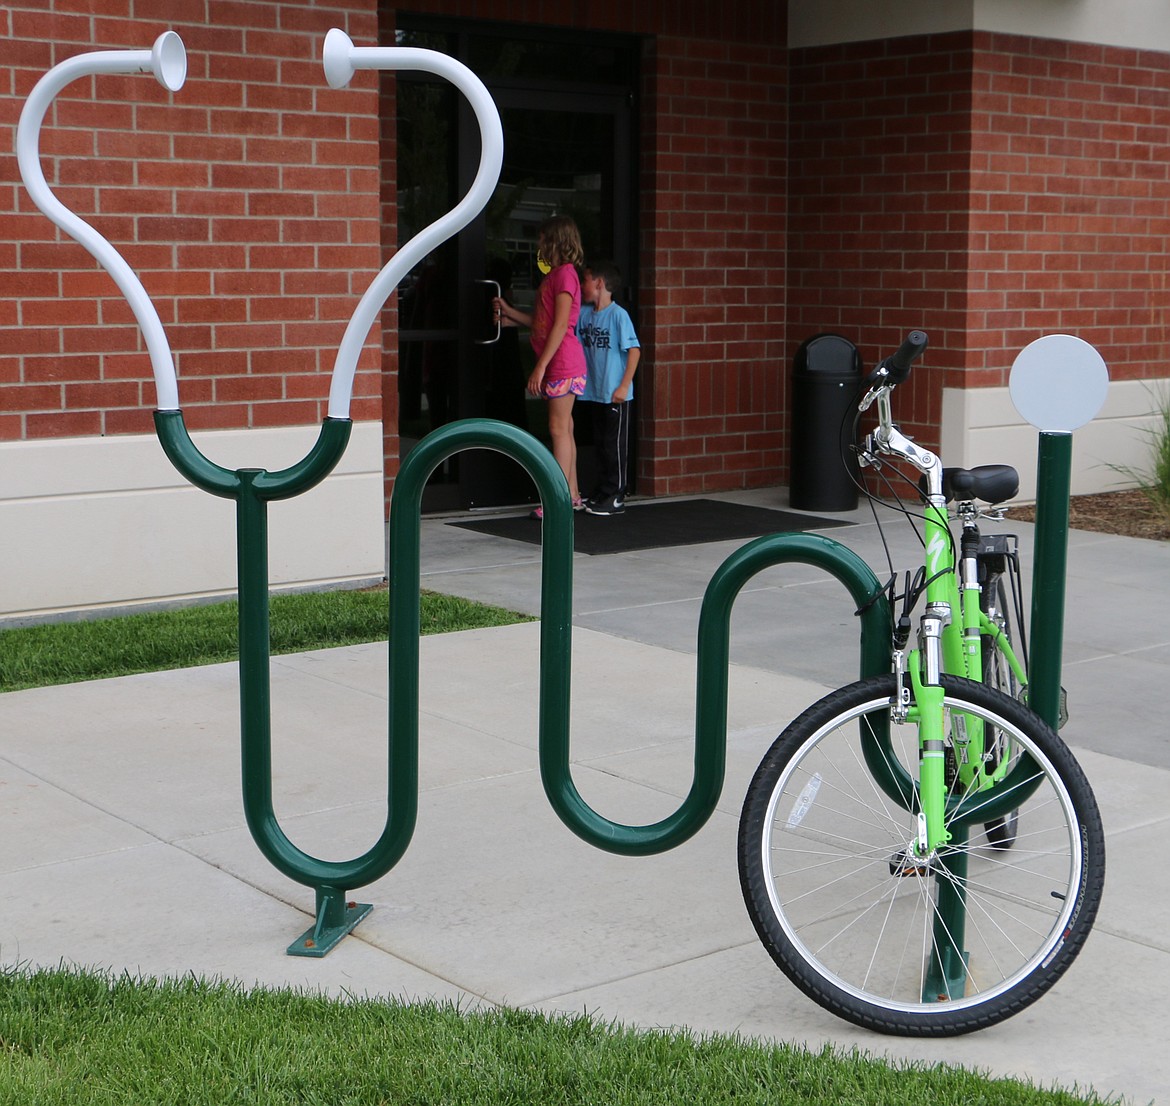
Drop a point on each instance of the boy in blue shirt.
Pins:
(612, 351)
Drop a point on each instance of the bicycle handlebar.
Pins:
(896, 368)
(893, 370)
(887, 438)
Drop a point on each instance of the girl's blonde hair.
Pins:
(562, 241)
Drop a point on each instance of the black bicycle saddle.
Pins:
(989, 483)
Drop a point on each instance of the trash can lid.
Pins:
(828, 355)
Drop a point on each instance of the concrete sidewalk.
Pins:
(126, 844)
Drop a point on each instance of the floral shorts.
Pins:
(562, 386)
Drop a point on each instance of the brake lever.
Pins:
(870, 396)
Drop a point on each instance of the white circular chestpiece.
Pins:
(1058, 383)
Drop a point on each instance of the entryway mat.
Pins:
(658, 525)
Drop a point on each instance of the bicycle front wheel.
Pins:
(919, 947)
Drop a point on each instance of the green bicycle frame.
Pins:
(952, 593)
(949, 617)
(952, 584)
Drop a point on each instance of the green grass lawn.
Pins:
(83, 1039)
(95, 649)
(79, 1038)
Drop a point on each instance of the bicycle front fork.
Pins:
(926, 684)
(944, 852)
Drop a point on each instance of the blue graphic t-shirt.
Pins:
(606, 337)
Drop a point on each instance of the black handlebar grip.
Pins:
(897, 365)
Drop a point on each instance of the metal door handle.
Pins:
(490, 341)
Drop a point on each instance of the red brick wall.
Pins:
(251, 212)
(1070, 206)
(711, 255)
(879, 179)
(713, 261)
(247, 203)
(988, 188)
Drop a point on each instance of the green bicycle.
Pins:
(919, 852)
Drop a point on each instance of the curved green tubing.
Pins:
(556, 632)
(318, 463)
(253, 488)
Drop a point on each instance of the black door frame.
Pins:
(471, 250)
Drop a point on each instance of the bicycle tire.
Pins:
(823, 866)
(998, 674)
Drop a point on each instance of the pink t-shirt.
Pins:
(569, 359)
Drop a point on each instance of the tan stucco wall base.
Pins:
(89, 523)
(982, 427)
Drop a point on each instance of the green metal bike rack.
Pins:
(252, 489)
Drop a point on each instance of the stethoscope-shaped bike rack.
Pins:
(253, 488)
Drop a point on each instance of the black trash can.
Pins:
(826, 375)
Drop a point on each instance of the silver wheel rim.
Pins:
(1044, 854)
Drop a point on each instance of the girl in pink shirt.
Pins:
(559, 374)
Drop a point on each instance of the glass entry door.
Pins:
(565, 152)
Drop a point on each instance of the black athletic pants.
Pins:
(611, 439)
